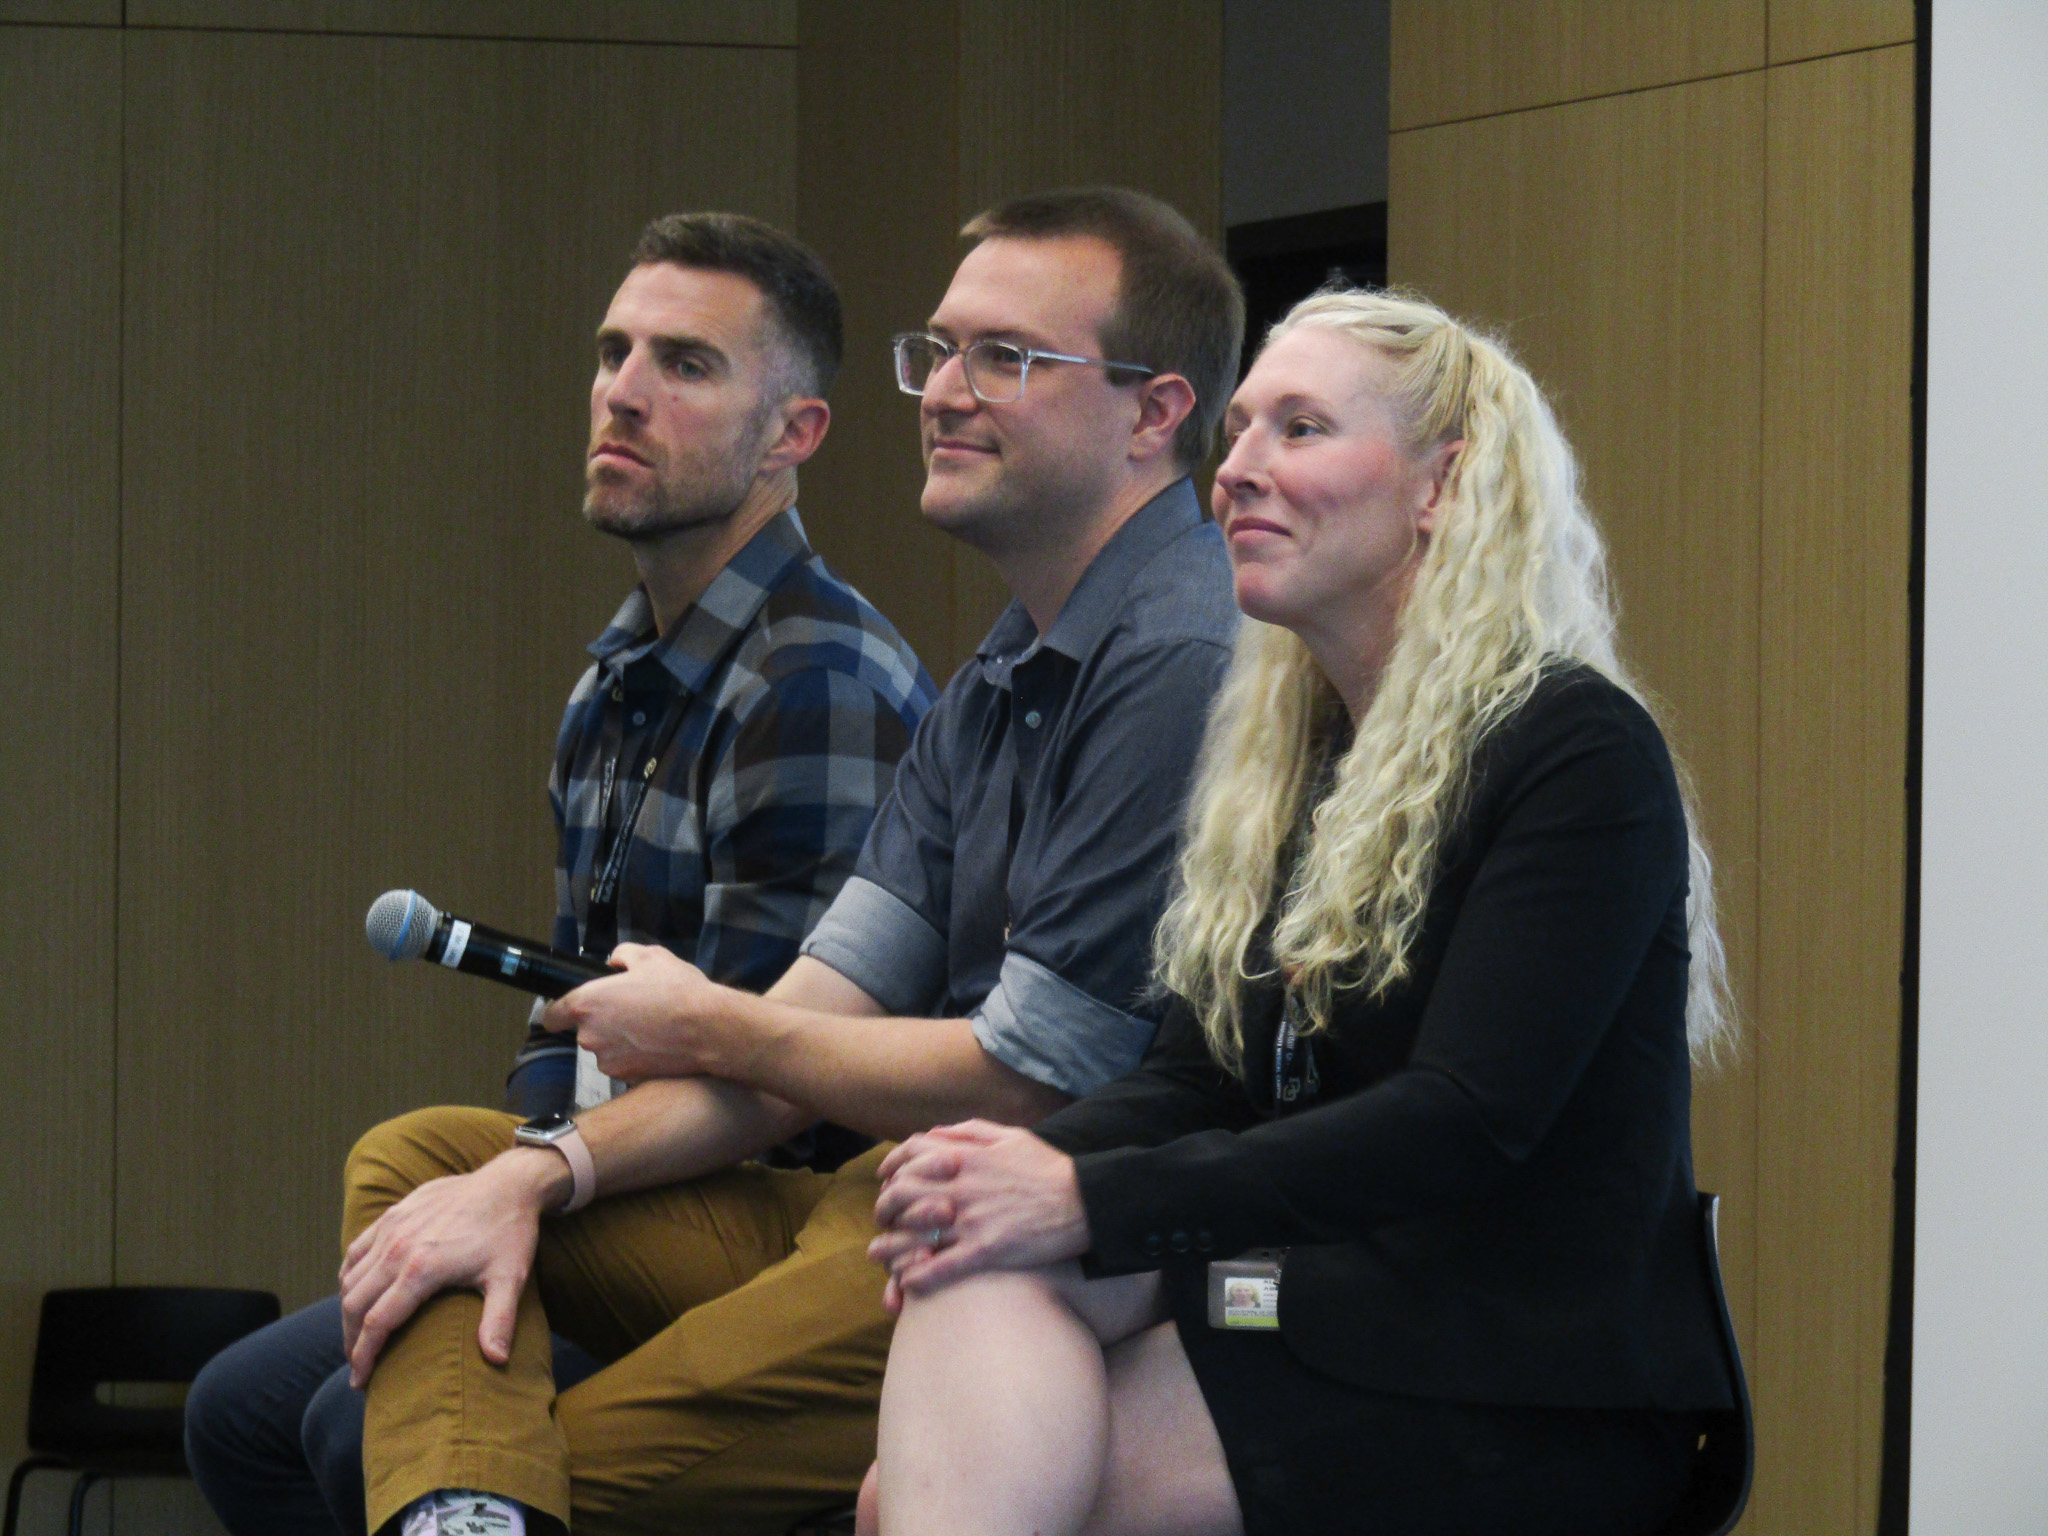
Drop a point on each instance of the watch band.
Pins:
(582, 1171)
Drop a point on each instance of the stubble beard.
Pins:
(660, 509)
(667, 505)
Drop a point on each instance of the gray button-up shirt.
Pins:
(1078, 745)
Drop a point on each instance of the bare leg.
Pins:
(1001, 1415)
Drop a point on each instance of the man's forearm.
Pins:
(671, 1129)
(884, 1077)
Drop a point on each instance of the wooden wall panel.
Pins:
(60, 397)
(1618, 245)
(726, 22)
(84, 13)
(945, 107)
(878, 171)
(362, 277)
(1808, 29)
(1057, 93)
(1838, 323)
(1471, 58)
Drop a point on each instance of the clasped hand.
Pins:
(971, 1197)
(658, 1017)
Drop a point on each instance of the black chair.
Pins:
(1726, 1461)
(89, 1340)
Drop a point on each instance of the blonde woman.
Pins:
(1442, 954)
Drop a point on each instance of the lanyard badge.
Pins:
(1295, 1080)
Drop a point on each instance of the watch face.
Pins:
(543, 1128)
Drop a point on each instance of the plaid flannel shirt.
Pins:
(797, 699)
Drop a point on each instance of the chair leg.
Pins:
(14, 1485)
(78, 1493)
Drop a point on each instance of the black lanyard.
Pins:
(601, 912)
(1295, 1079)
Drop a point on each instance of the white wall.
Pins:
(1980, 1315)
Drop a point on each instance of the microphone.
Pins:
(403, 925)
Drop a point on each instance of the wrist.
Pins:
(537, 1178)
(752, 1033)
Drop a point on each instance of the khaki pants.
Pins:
(746, 1316)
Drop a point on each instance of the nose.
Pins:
(947, 390)
(624, 392)
(1241, 474)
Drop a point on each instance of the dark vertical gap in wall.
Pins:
(120, 551)
(1894, 1475)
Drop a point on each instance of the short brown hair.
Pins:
(799, 292)
(1178, 307)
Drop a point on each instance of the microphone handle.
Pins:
(476, 950)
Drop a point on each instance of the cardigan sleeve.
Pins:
(1584, 856)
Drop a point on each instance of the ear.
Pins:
(1164, 401)
(805, 420)
(1441, 467)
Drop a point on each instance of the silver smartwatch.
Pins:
(561, 1133)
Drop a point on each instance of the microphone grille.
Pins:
(399, 924)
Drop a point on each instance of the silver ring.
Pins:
(937, 1237)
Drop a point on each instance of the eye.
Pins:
(685, 363)
(1302, 426)
(610, 353)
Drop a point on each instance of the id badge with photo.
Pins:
(1244, 1292)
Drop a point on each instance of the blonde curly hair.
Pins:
(1513, 580)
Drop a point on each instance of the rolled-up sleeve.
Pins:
(883, 946)
(1095, 1044)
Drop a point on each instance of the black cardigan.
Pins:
(1492, 1198)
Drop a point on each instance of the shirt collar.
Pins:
(1098, 596)
(692, 649)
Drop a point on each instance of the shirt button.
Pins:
(1034, 719)
(1205, 1239)
(1178, 1242)
(1152, 1244)
(639, 717)
(618, 692)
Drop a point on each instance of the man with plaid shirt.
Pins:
(717, 766)
(796, 700)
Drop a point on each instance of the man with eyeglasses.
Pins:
(988, 958)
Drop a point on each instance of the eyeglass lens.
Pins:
(995, 369)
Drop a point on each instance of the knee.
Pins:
(391, 1160)
(331, 1436)
(212, 1421)
(867, 1509)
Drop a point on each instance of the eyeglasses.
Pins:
(996, 370)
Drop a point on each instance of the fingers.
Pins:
(981, 1133)
(930, 1165)
(379, 1320)
(915, 1202)
(501, 1315)
(932, 1268)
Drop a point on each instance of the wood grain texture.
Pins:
(1618, 245)
(86, 13)
(1058, 93)
(878, 163)
(60, 395)
(362, 278)
(1837, 535)
(1809, 29)
(728, 22)
(1456, 59)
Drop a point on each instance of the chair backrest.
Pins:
(139, 1333)
(1726, 1461)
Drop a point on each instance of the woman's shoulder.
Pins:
(1577, 716)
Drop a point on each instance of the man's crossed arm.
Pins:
(720, 1075)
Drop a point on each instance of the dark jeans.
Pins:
(274, 1432)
